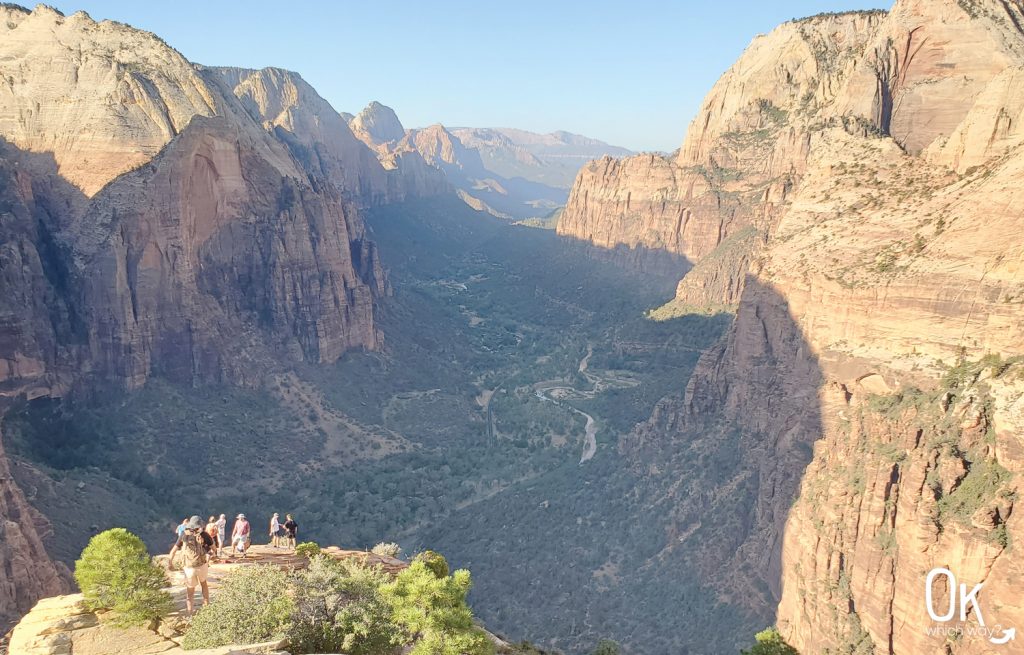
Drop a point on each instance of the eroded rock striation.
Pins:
(859, 211)
(162, 218)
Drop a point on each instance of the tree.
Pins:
(607, 647)
(770, 642)
(435, 562)
(115, 572)
(339, 609)
(432, 612)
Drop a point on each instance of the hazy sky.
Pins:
(631, 72)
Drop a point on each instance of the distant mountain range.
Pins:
(511, 173)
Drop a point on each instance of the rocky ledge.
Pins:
(61, 625)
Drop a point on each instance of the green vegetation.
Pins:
(251, 606)
(339, 608)
(432, 610)
(115, 573)
(481, 310)
(387, 549)
(978, 489)
(336, 606)
(308, 549)
(607, 647)
(435, 562)
(770, 642)
(938, 415)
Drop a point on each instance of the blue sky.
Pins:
(631, 72)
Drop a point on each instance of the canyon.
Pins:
(789, 352)
(846, 190)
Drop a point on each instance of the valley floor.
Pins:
(486, 428)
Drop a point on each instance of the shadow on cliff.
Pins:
(724, 462)
(41, 329)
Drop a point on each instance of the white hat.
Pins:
(240, 516)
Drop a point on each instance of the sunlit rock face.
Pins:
(850, 189)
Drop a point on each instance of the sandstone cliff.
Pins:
(160, 218)
(28, 572)
(743, 153)
(867, 386)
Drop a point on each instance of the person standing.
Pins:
(291, 531)
(211, 529)
(194, 544)
(222, 531)
(240, 535)
(275, 531)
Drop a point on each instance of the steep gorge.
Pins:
(884, 261)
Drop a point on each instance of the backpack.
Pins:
(193, 550)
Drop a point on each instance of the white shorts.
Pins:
(195, 576)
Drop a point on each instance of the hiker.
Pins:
(275, 531)
(222, 531)
(291, 531)
(194, 544)
(240, 535)
(211, 529)
(180, 530)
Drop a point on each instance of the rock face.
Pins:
(227, 231)
(28, 571)
(161, 218)
(378, 124)
(861, 214)
(742, 155)
(102, 98)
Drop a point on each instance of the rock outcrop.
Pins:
(28, 571)
(743, 152)
(868, 386)
(161, 218)
(377, 124)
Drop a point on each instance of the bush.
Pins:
(434, 561)
(433, 611)
(251, 606)
(607, 647)
(339, 609)
(115, 572)
(770, 642)
(387, 550)
(308, 549)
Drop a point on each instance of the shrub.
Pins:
(432, 610)
(770, 642)
(115, 572)
(339, 609)
(251, 606)
(607, 647)
(435, 562)
(308, 549)
(387, 549)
